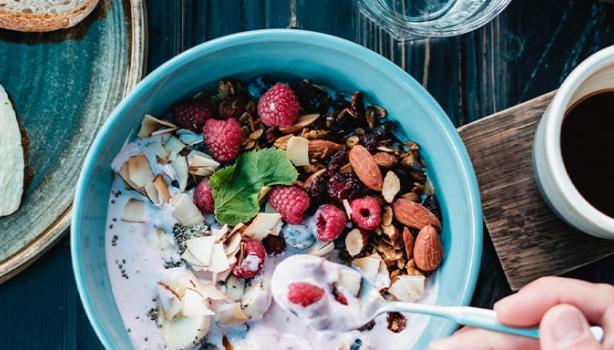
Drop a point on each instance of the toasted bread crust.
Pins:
(36, 22)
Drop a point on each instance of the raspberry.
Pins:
(274, 244)
(366, 213)
(203, 197)
(289, 201)
(191, 114)
(304, 294)
(343, 186)
(223, 138)
(329, 222)
(298, 236)
(253, 260)
(278, 106)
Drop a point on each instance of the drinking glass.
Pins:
(415, 19)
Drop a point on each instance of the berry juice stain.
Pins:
(587, 146)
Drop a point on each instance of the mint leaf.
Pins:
(235, 188)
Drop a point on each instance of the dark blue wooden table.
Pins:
(526, 51)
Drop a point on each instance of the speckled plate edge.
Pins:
(138, 58)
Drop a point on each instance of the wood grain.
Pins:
(530, 240)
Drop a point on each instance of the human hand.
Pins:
(563, 307)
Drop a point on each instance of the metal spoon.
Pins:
(372, 304)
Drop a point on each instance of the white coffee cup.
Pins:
(595, 74)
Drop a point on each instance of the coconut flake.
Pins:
(185, 211)
(151, 126)
(134, 211)
(263, 225)
(408, 288)
(298, 150)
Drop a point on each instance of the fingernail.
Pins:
(568, 325)
(509, 300)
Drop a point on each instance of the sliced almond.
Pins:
(162, 189)
(393, 234)
(194, 304)
(139, 170)
(235, 287)
(282, 142)
(231, 313)
(232, 244)
(408, 243)
(407, 288)
(201, 164)
(322, 249)
(298, 150)
(134, 211)
(302, 122)
(387, 216)
(184, 210)
(201, 248)
(391, 186)
(263, 225)
(355, 241)
(151, 126)
(348, 208)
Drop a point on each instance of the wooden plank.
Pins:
(530, 240)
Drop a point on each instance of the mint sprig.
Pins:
(235, 188)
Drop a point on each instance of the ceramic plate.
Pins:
(63, 85)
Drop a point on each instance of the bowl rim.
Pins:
(474, 254)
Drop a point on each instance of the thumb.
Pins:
(564, 327)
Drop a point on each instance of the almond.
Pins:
(365, 168)
(320, 149)
(408, 241)
(355, 241)
(413, 214)
(385, 160)
(303, 121)
(427, 249)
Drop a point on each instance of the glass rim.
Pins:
(405, 29)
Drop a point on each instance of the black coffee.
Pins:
(587, 145)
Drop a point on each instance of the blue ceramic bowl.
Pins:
(328, 60)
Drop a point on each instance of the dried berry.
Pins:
(312, 99)
(396, 322)
(233, 106)
(337, 160)
(339, 297)
(372, 139)
(357, 106)
(316, 187)
(431, 203)
(367, 326)
(274, 244)
(344, 186)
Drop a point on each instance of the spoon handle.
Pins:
(474, 317)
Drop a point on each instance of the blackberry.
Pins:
(344, 186)
(337, 160)
(274, 244)
(431, 203)
(233, 106)
(312, 99)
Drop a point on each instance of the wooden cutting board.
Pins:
(530, 240)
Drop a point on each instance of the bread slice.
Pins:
(43, 15)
